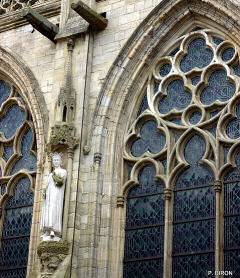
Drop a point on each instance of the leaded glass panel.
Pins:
(144, 226)
(15, 143)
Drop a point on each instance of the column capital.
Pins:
(218, 186)
(167, 193)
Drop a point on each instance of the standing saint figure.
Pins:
(53, 196)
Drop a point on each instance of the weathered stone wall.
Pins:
(108, 72)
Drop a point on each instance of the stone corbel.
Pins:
(52, 254)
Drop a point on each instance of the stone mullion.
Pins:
(167, 264)
(218, 226)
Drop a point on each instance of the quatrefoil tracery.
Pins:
(188, 97)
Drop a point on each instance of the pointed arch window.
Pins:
(17, 174)
(187, 131)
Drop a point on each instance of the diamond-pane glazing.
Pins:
(150, 140)
(232, 262)
(14, 273)
(13, 118)
(177, 98)
(197, 56)
(145, 208)
(144, 269)
(194, 203)
(147, 183)
(144, 243)
(193, 237)
(219, 88)
(22, 194)
(193, 266)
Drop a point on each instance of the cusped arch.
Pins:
(16, 73)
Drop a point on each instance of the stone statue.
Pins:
(53, 196)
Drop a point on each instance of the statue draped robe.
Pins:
(52, 209)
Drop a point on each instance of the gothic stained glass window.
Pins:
(144, 227)
(192, 124)
(232, 219)
(17, 151)
(193, 215)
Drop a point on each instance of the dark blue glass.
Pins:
(143, 269)
(195, 117)
(193, 237)
(213, 130)
(237, 70)
(235, 174)
(150, 140)
(16, 231)
(174, 52)
(219, 88)
(143, 243)
(228, 54)
(147, 183)
(193, 204)
(13, 118)
(156, 87)
(165, 69)
(27, 161)
(8, 152)
(143, 106)
(195, 80)
(217, 41)
(144, 234)
(3, 188)
(232, 262)
(176, 121)
(233, 127)
(197, 174)
(193, 266)
(197, 56)
(177, 98)
(4, 92)
(193, 215)
(214, 113)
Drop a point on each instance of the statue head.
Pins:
(56, 159)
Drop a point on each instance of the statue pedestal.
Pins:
(52, 254)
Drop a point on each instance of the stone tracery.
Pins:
(185, 97)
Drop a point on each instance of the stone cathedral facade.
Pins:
(142, 99)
